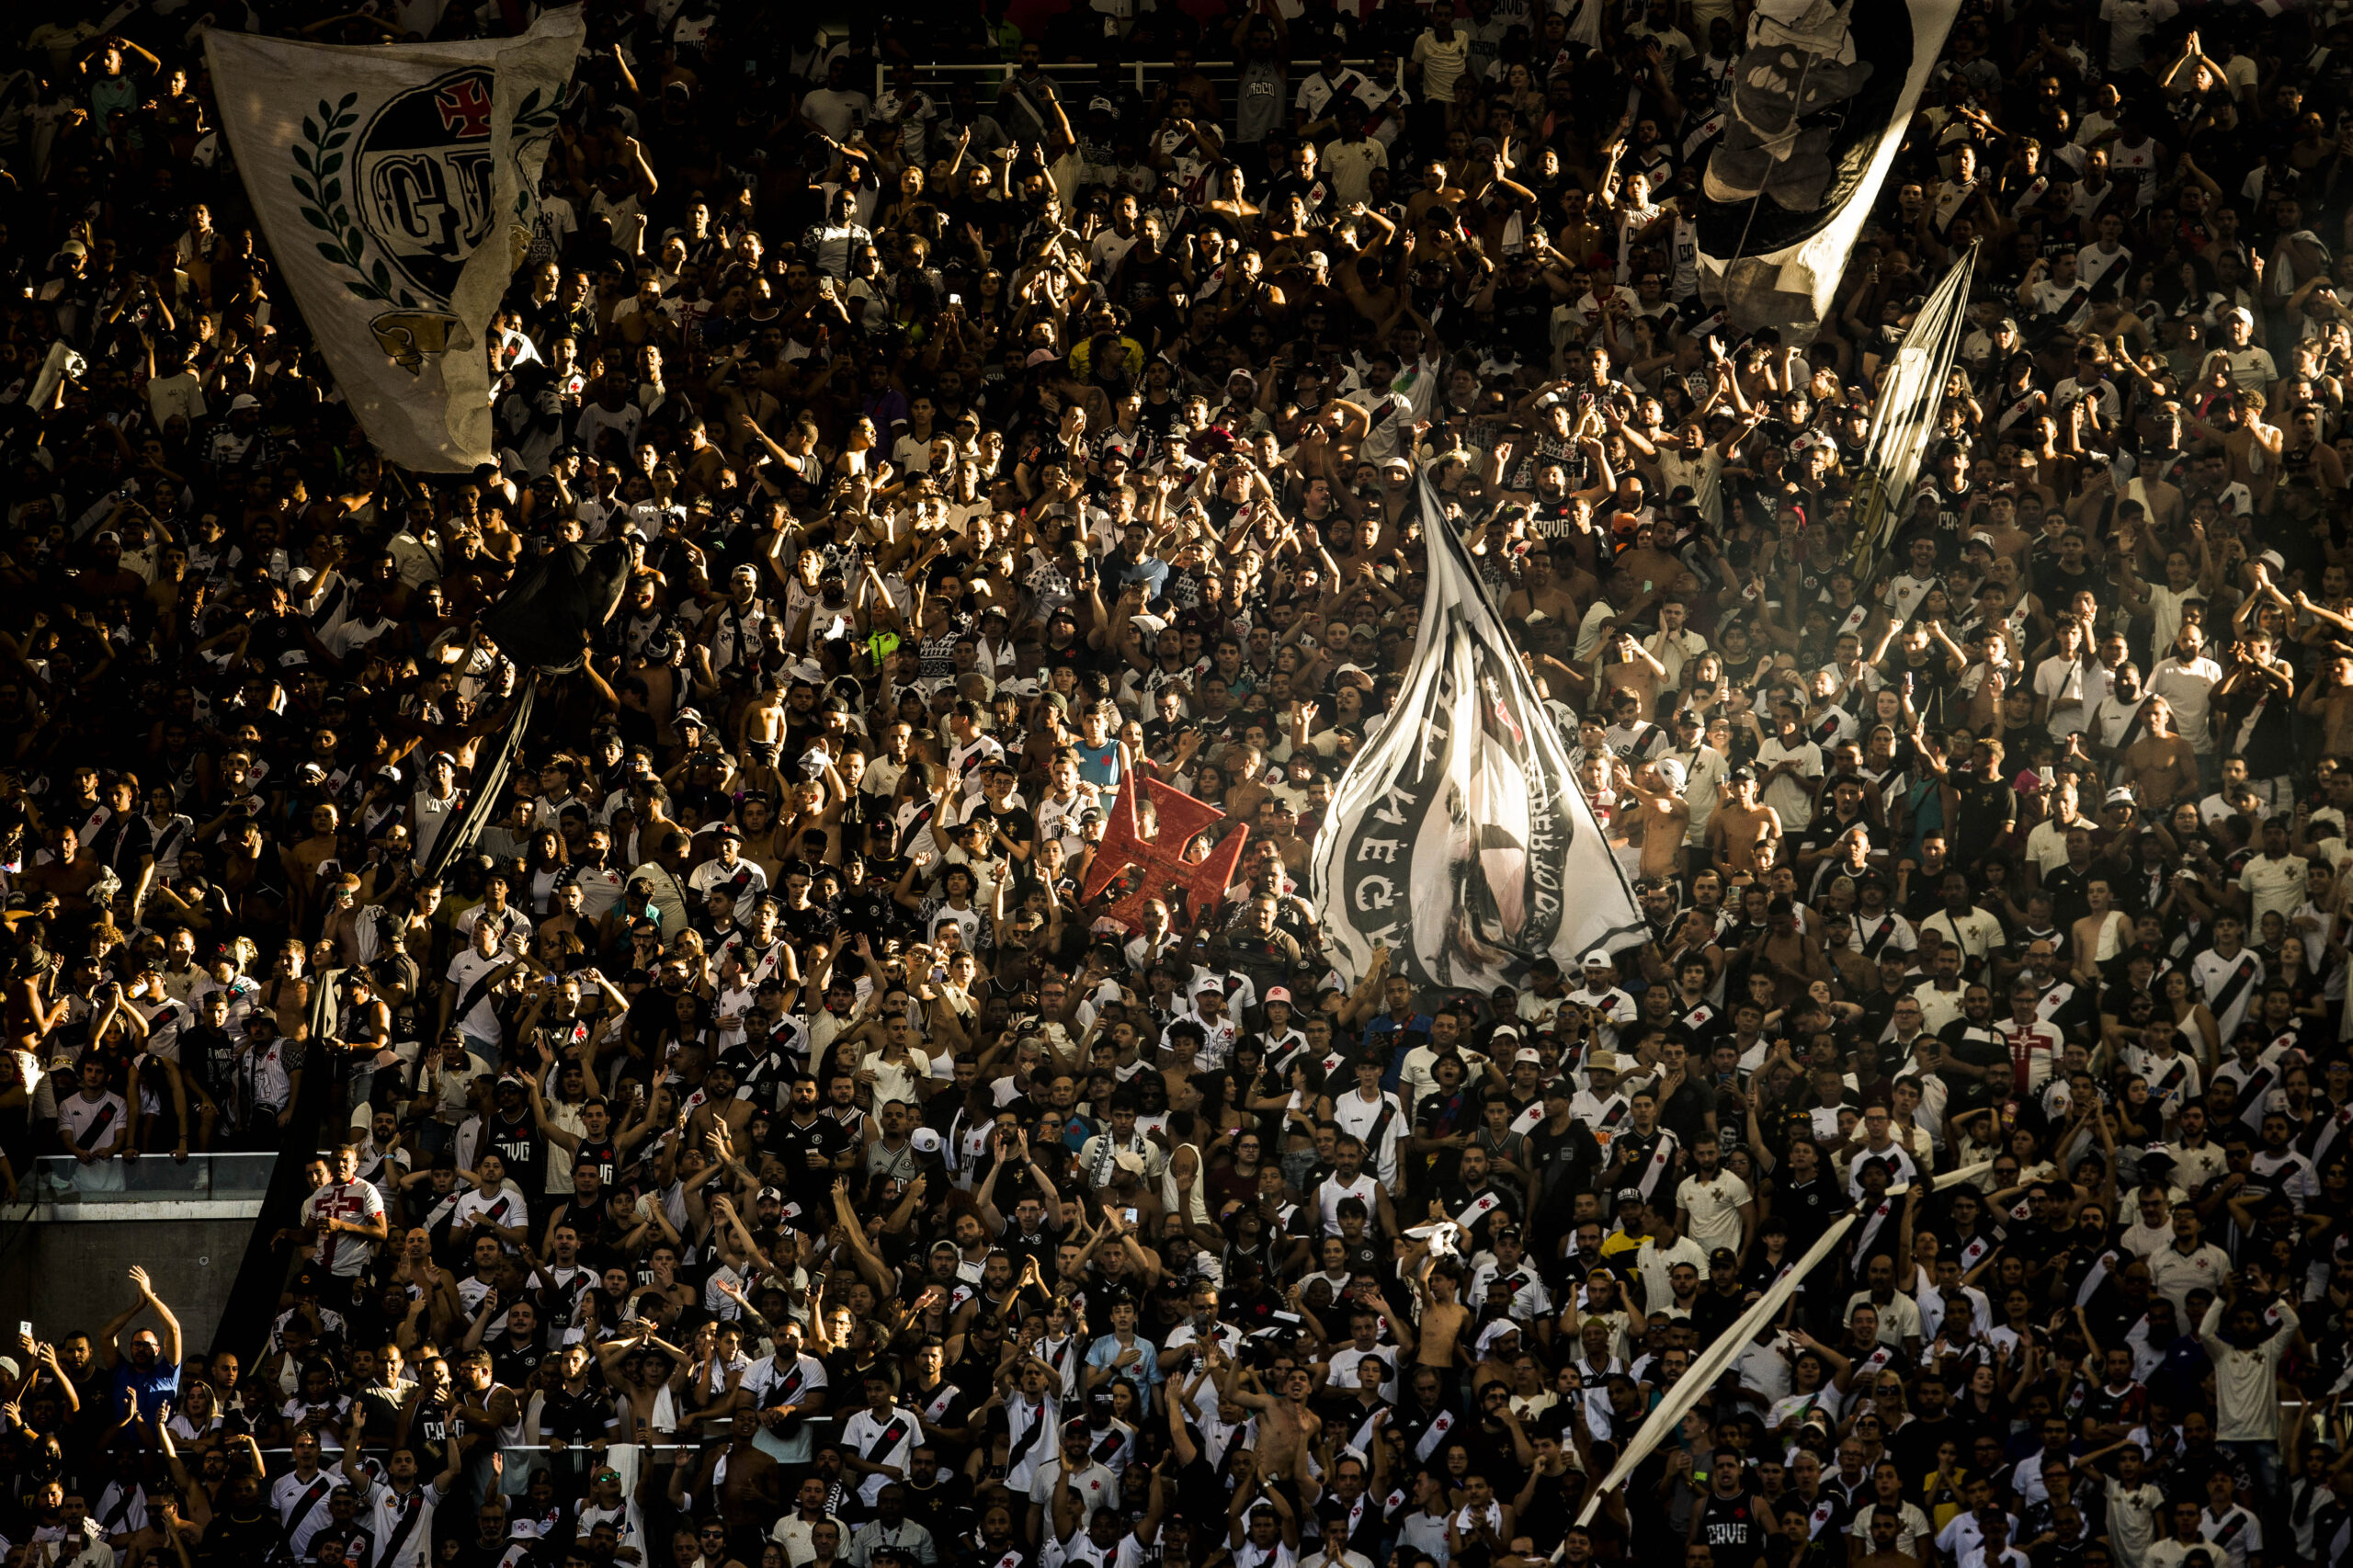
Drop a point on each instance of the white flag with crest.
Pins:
(398, 189)
(1458, 838)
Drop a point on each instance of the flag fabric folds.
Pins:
(1905, 418)
(1458, 838)
(1822, 96)
(398, 189)
(1724, 1352)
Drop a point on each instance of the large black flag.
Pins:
(1820, 98)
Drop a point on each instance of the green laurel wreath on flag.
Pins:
(320, 158)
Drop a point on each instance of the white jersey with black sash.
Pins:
(772, 1382)
(401, 1523)
(2227, 984)
(1031, 1423)
(1874, 934)
(888, 1439)
(302, 1508)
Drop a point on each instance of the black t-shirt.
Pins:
(1716, 1311)
(1988, 807)
(868, 911)
(1827, 829)
(1914, 1443)
(587, 1220)
(1684, 1112)
(1827, 1514)
(792, 1143)
(1731, 1529)
(1809, 1207)
(1014, 822)
(2054, 585)
(1201, 1493)
(1977, 1045)
(512, 1364)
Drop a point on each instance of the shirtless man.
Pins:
(1287, 1428)
(1886, 1531)
(1436, 192)
(1650, 566)
(1795, 957)
(1545, 595)
(2161, 767)
(68, 874)
(1663, 815)
(759, 734)
(302, 862)
(1626, 666)
(763, 842)
(1444, 1319)
(1741, 827)
(2330, 701)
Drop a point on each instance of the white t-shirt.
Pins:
(1785, 795)
(2185, 685)
(1714, 1207)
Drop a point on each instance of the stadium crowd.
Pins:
(752, 1151)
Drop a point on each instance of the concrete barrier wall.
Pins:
(66, 1275)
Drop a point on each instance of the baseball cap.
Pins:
(1527, 1055)
(1597, 959)
(927, 1141)
(1279, 994)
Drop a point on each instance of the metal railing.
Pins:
(65, 1183)
(1080, 74)
(820, 1428)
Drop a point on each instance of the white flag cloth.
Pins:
(1459, 837)
(398, 189)
(1727, 1347)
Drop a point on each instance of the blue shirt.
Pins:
(1106, 1350)
(1099, 766)
(158, 1382)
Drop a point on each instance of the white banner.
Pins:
(398, 189)
(1822, 96)
(1712, 1362)
(1904, 419)
(1458, 838)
